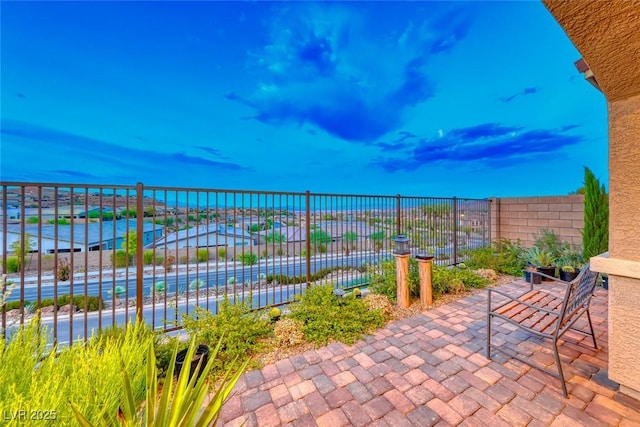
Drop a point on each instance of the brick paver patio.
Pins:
(430, 370)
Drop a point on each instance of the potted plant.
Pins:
(569, 263)
(536, 279)
(201, 352)
(543, 261)
(568, 273)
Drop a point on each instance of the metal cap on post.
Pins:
(401, 252)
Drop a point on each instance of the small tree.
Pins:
(595, 235)
(319, 237)
(21, 249)
(130, 244)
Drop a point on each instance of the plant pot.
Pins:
(536, 278)
(551, 271)
(568, 276)
(202, 352)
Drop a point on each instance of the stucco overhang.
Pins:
(607, 34)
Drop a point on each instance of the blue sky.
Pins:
(470, 99)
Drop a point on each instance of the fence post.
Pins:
(398, 215)
(308, 234)
(488, 225)
(139, 248)
(455, 231)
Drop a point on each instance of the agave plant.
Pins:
(540, 258)
(179, 403)
(196, 284)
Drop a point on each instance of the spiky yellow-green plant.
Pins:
(38, 378)
(177, 404)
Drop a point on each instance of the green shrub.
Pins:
(13, 264)
(548, 241)
(327, 317)
(148, 257)
(303, 253)
(595, 235)
(59, 221)
(504, 256)
(13, 305)
(248, 258)
(121, 259)
(33, 220)
(90, 376)
(240, 329)
(93, 302)
(382, 278)
(283, 279)
(222, 253)
(203, 255)
(274, 237)
(322, 249)
(447, 280)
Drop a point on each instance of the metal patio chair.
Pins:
(546, 315)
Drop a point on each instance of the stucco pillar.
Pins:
(623, 264)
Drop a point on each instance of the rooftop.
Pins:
(430, 369)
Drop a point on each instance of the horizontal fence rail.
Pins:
(90, 257)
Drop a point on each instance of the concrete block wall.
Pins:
(522, 218)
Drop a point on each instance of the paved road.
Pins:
(182, 279)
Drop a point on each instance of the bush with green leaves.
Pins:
(93, 302)
(548, 241)
(59, 221)
(33, 220)
(222, 254)
(283, 279)
(319, 237)
(240, 329)
(444, 279)
(37, 378)
(148, 257)
(326, 317)
(449, 280)
(203, 255)
(248, 258)
(382, 278)
(121, 259)
(503, 256)
(274, 237)
(13, 264)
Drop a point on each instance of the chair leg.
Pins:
(593, 335)
(560, 374)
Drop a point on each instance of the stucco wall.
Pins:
(522, 218)
(624, 179)
(624, 242)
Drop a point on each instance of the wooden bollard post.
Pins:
(402, 275)
(426, 287)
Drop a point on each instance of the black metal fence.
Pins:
(94, 256)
